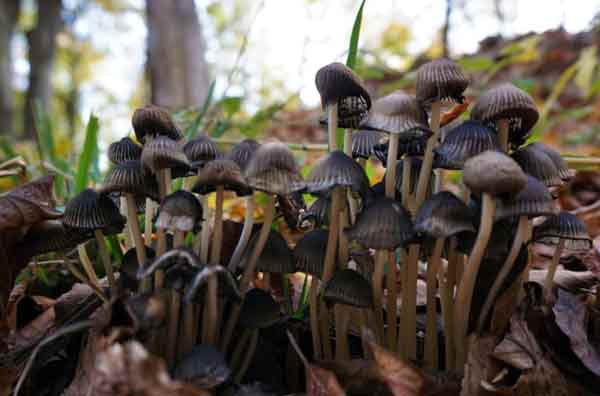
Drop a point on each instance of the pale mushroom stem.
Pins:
(447, 283)
(179, 239)
(205, 233)
(149, 214)
(406, 178)
(127, 237)
(82, 278)
(174, 308)
(549, 281)
(426, 167)
(212, 289)
(248, 275)
(332, 121)
(508, 265)
(246, 232)
(344, 255)
(105, 257)
(378, 273)
(363, 324)
(161, 234)
(352, 203)
(392, 298)
(407, 341)
(342, 318)
(314, 321)
(431, 334)
(241, 371)
(503, 126)
(464, 296)
(134, 225)
(390, 174)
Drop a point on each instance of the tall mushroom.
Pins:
(538, 164)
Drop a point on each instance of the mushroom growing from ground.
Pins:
(203, 366)
(363, 143)
(538, 164)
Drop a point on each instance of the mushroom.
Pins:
(513, 111)
(490, 174)
(204, 366)
(437, 80)
(539, 165)
(346, 289)
(363, 143)
(317, 215)
(179, 212)
(441, 217)
(151, 121)
(564, 172)
(124, 150)
(532, 201)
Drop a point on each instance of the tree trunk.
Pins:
(446, 29)
(177, 67)
(42, 47)
(9, 12)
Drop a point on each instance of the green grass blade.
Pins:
(303, 301)
(195, 125)
(353, 48)
(86, 158)
(43, 127)
(114, 248)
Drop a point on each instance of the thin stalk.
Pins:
(549, 281)
(161, 233)
(348, 142)
(266, 281)
(205, 233)
(127, 237)
(241, 371)
(447, 283)
(518, 241)
(179, 239)
(502, 126)
(77, 274)
(246, 232)
(173, 327)
(87, 265)
(390, 174)
(344, 255)
(428, 158)
(332, 121)
(363, 324)
(378, 273)
(314, 321)
(149, 214)
(462, 308)
(342, 318)
(406, 179)
(134, 225)
(105, 257)
(408, 325)
(392, 299)
(187, 339)
(215, 257)
(238, 350)
(431, 334)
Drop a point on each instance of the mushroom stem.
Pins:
(549, 281)
(314, 321)
(390, 174)
(134, 226)
(205, 233)
(266, 281)
(342, 317)
(447, 282)
(236, 355)
(518, 240)
(332, 121)
(105, 257)
(241, 371)
(149, 214)
(344, 255)
(502, 126)
(160, 233)
(215, 256)
(428, 158)
(363, 324)
(172, 327)
(246, 232)
(378, 273)
(406, 175)
(77, 274)
(127, 237)
(179, 239)
(187, 339)
(407, 342)
(431, 334)
(462, 307)
(248, 275)
(87, 265)
(392, 298)
(348, 142)
(161, 248)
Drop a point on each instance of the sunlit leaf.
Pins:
(475, 63)
(586, 66)
(231, 105)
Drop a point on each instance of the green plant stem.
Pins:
(431, 334)
(427, 163)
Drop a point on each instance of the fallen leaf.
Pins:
(401, 377)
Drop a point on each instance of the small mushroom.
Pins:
(564, 172)
(179, 212)
(200, 150)
(151, 121)
(204, 366)
(124, 150)
(538, 164)
(363, 143)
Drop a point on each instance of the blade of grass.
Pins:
(114, 248)
(195, 125)
(303, 302)
(46, 145)
(90, 147)
(353, 48)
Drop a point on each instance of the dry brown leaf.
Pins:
(479, 366)
(322, 382)
(401, 377)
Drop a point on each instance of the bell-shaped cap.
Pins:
(351, 112)
(164, 153)
(204, 366)
(179, 265)
(129, 177)
(228, 287)
(130, 266)
(200, 150)
(317, 213)
(565, 226)
(363, 142)
(275, 257)
(538, 164)
(412, 148)
(532, 201)
(505, 101)
(564, 172)
(179, 211)
(243, 152)
(90, 210)
(221, 172)
(336, 82)
(273, 170)
(494, 173)
(337, 170)
(50, 236)
(259, 310)
(348, 287)
(463, 142)
(383, 224)
(440, 79)
(309, 252)
(154, 121)
(124, 150)
(443, 215)
(400, 114)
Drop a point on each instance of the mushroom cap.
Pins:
(179, 211)
(463, 142)
(276, 256)
(228, 288)
(309, 252)
(318, 212)
(351, 112)
(533, 200)
(363, 142)
(90, 210)
(443, 215)
(221, 172)
(50, 236)
(563, 225)
(129, 177)
(273, 170)
(538, 164)
(415, 147)
(398, 113)
(506, 101)
(203, 366)
(337, 169)
(124, 150)
(152, 120)
(163, 153)
(494, 173)
(243, 152)
(348, 287)
(201, 149)
(259, 310)
(563, 169)
(336, 81)
(440, 79)
(383, 224)
(179, 264)
(130, 265)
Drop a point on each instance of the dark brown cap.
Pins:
(129, 177)
(259, 310)
(204, 366)
(201, 150)
(50, 236)
(221, 172)
(336, 82)
(273, 170)
(348, 287)
(351, 112)
(163, 153)
(90, 210)
(337, 169)
(533, 200)
(563, 169)
(124, 150)
(363, 142)
(563, 226)
(179, 211)
(383, 224)
(443, 215)
(494, 173)
(243, 152)
(309, 252)
(463, 142)
(412, 148)
(153, 121)
(440, 79)
(538, 164)
(275, 257)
